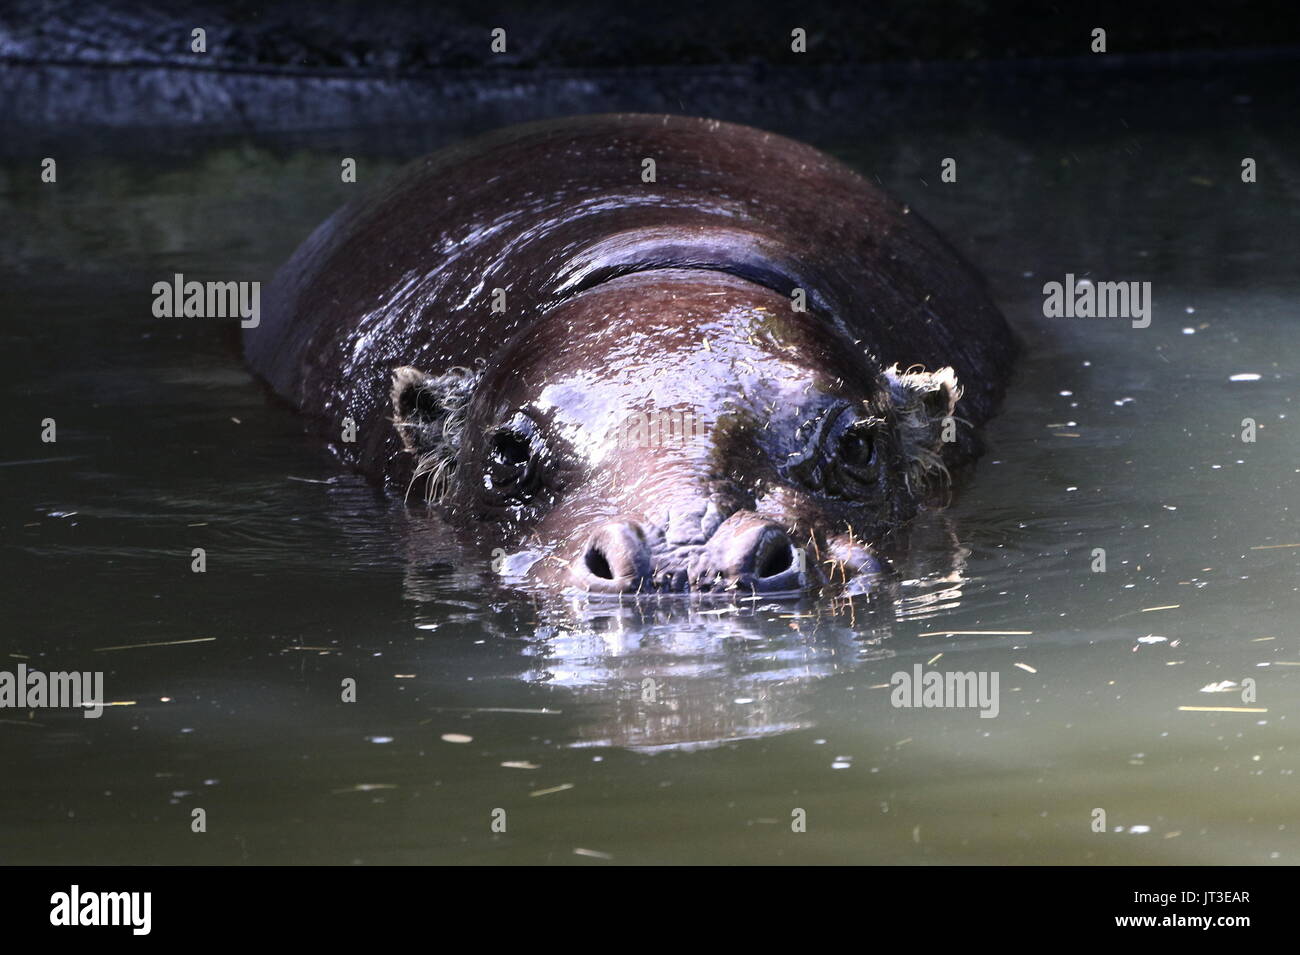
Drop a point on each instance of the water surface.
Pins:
(226, 685)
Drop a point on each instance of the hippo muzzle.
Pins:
(745, 553)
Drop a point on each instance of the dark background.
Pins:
(298, 66)
(407, 36)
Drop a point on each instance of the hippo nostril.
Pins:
(615, 560)
(598, 564)
(755, 552)
(776, 557)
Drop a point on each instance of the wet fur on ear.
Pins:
(429, 415)
(922, 400)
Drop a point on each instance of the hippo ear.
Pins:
(923, 402)
(429, 415)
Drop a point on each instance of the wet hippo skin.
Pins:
(517, 324)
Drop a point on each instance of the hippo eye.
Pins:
(857, 450)
(511, 460)
(839, 454)
(509, 450)
(852, 455)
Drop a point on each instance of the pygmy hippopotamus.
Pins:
(651, 353)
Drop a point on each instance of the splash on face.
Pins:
(680, 431)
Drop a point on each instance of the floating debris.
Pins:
(165, 643)
(554, 789)
(520, 764)
(13, 464)
(456, 738)
(592, 854)
(545, 711)
(1224, 709)
(976, 633)
(1165, 607)
(364, 788)
(1222, 687)
(1026, 667)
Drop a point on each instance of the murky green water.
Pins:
(1116, 438)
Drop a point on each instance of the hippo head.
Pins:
(680, 431)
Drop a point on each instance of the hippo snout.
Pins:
(745, 553)
(615, 560)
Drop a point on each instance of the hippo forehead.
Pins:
(700, 343)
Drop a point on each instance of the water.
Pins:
(226, 685)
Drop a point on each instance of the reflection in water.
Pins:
(676, 679)
(689, 671)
